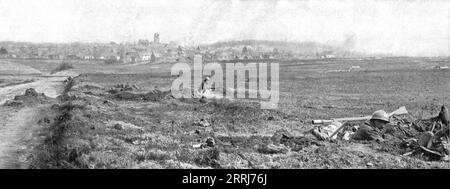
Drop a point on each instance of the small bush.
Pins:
(63, 66)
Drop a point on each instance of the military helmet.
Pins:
(380, 115)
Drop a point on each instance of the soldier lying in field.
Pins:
(373, 130)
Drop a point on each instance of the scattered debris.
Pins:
(209, 157)
(325, 132)
(352, 68)
(202, 123)
(122, 87)
(281, 136)
(210, 142)
(407, 137)
(120, 125)
(273, 149)
(347, 135)
(417, 140)
(440, 67)
(426, 139)
(155, 95)
(295, 143)
(44, 121)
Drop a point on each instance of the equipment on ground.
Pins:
(380, 114)
(399, 111)
(444, 116)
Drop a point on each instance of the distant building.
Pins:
(145, 56)
(276, 51)
(156, 38)
(245, 51)
(143, 42)
(71, 57)
(180, 51)
(131, 57)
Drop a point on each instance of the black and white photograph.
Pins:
(224, 84)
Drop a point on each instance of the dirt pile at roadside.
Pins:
(155, 95)
(122, 92)
(30, 97)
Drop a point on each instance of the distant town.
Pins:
(150, 51)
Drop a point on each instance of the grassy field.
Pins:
(99, 128)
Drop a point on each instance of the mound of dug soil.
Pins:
(29, 98)
(155, 95)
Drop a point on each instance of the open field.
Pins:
(92, 126)
(144, 127)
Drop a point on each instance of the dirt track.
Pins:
(50, 86)
(15, 130)
(18, 126)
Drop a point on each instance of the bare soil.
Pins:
(25, 97)
(19, 132)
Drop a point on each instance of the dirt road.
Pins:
(50, 86)
(16, 132)
(18, 127)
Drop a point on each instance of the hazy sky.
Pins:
(403, 27)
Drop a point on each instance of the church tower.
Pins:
(156, 38)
